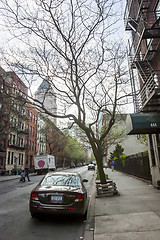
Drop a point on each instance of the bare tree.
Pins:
(71, 44)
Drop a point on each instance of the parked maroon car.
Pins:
(59, 193)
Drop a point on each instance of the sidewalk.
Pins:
(131, 215)
(9, 177)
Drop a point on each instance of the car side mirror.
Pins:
(85, 180)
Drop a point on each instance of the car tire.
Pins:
(34, 215)
(84, 216)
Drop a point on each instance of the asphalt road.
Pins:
(16, 222)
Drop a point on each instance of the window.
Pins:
(10, 138)
(18, 141)
(61, 180)
(14, 139)
(30, 130)
(19, 158)
(14, 88)
(32, 146)
(22, 159)
(27, 128)
(22, 142)
(27, 143)
(33, 131)
(1, 161)
(23, 110)
(157, 10)
(31, 116)
(8, 157)
(12, 157)
(28, 114)
(31, 158)
(15, 122)
(27, 160)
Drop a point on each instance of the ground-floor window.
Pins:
(1, 161)
(12, 157)
(31, 157)
(8, 160)
(21, 159)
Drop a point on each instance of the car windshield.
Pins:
(61, 180)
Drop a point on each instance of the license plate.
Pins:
(56, 198)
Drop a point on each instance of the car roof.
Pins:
(63, 173)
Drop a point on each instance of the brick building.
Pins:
(31, 136)
(142, 18)
(5, 107)
(12, 139)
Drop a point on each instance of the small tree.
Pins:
(117, 152)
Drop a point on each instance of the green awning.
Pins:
(143, 123)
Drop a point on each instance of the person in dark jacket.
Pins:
(27, 174)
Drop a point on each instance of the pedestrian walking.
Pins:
(112, 166)
(22, 179)
(27, 174)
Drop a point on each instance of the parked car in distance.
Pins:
(91, 166)
(72, 165)
(59, 193)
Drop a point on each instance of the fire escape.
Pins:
(145, 27)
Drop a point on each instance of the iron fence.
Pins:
(137, 165)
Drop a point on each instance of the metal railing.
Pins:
(147, 91)
(128, 15)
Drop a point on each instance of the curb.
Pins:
(13, 177)
(90, 221)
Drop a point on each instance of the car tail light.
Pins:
(34, 196)
(79, 197)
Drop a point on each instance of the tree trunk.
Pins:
(99, 161)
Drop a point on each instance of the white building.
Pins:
(41, 136)
(46, 95)
(130, 143)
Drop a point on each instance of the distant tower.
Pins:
(46, 94)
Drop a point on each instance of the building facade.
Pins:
(5, 108)
(41, 136)
(18, 125)
(46, 95)
(31, 136)
(142, 18)
(15, 91)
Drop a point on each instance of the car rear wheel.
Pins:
(34, 215)
(84, 216)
